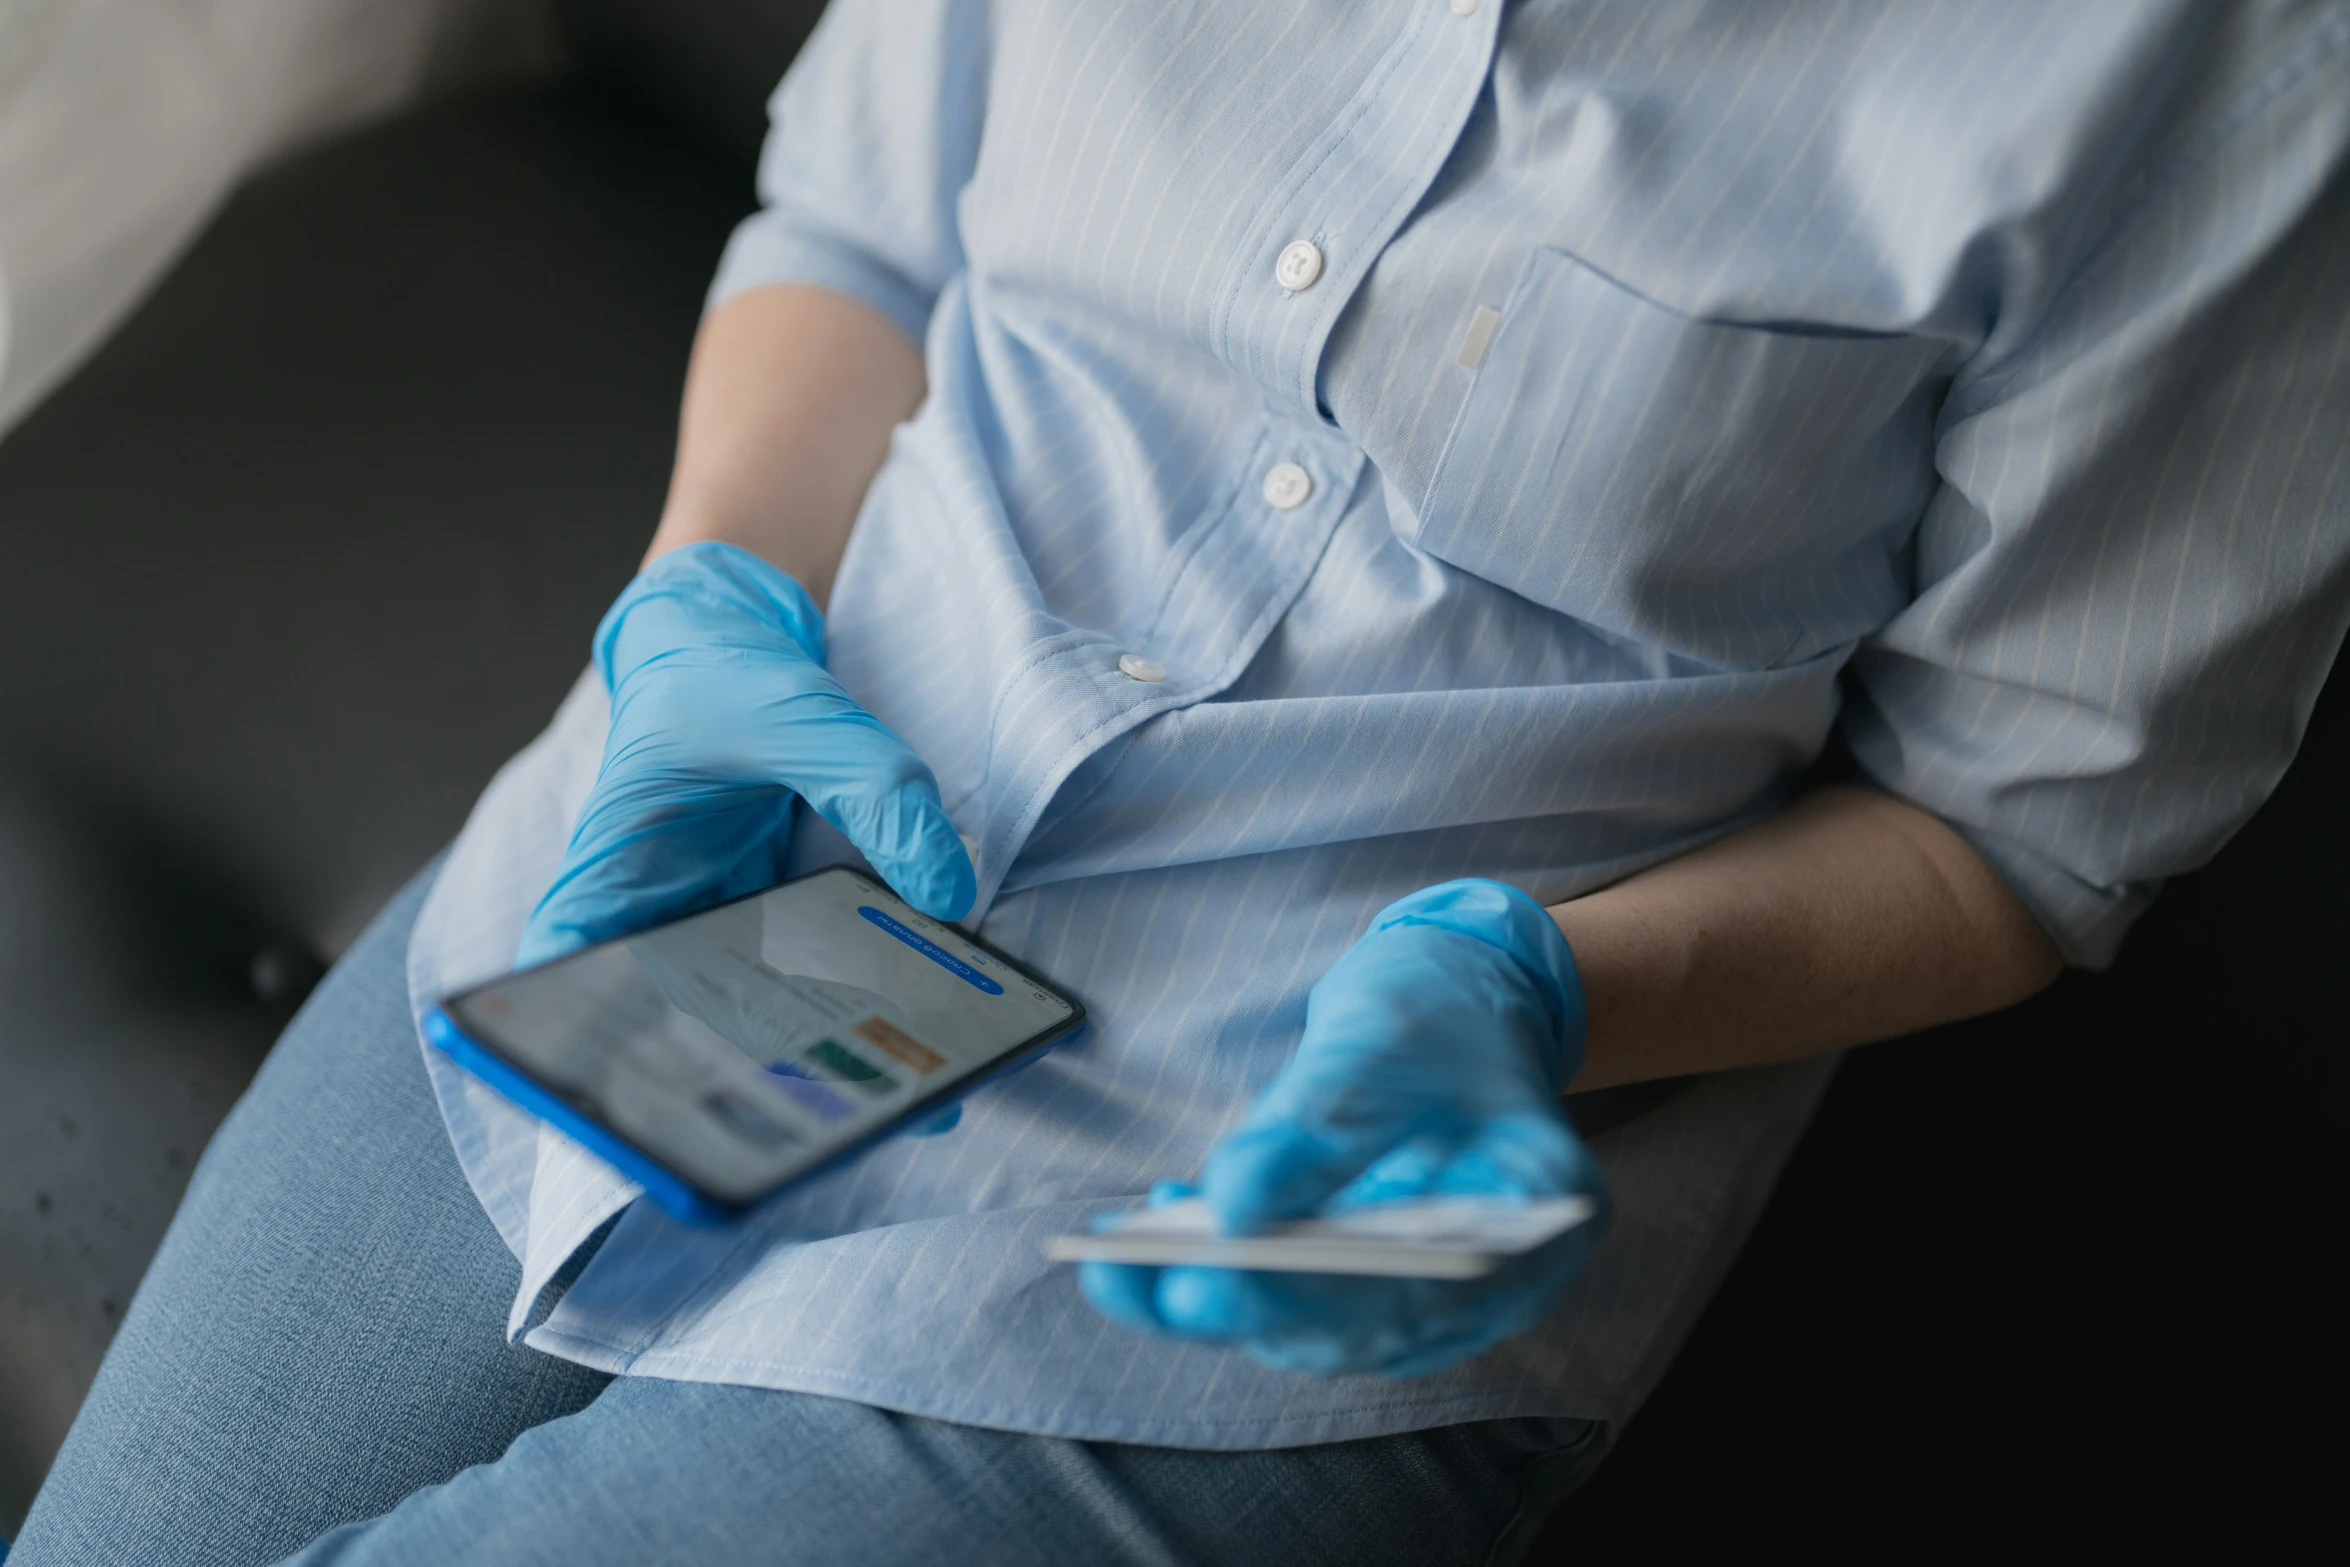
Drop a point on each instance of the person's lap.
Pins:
(316, 1367)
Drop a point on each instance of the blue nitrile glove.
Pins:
(1434, 1052)
(721, 714)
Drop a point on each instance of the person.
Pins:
(1392, 503)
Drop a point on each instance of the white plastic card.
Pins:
(1439, 1238)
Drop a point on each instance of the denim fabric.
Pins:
(316, 1369)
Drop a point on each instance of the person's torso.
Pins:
(1611, 385)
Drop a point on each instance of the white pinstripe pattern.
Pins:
(1994, 357)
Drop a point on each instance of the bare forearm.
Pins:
(789, 404)
(1849, 917)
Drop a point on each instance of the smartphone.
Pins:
(722, 1057)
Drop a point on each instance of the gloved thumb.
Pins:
(871, 785)
(1285, 1161)
(636, 860)
(937, 1125)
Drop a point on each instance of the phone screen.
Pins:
(745, 1044)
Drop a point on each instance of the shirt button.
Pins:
(1464, 7)
(1135, 667)
(1287, 486)
(1299, 267)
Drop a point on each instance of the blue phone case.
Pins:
(675, 1197)
(673, 1193)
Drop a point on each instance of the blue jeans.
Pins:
(316, 1371)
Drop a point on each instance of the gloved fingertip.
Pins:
(954, 901)
(1123, 1292)
(1165, 1192)
(1203, 1302)
(943, 886)
(539, 945)
(1259, 1177)
(911, 841)
(938, 1125)
(552, 931)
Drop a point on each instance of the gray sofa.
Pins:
(318, 539)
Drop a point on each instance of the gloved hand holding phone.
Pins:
(1434, 1049)
(1433, 1056)
(722, 713)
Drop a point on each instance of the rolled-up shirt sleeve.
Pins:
(2136, 572)
(872, 136)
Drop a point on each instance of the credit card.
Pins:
(1435, 1238)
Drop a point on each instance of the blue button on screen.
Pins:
(933, 951)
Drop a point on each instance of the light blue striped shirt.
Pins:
(1665, 386)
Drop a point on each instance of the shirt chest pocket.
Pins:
(1739, 495)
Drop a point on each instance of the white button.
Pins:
(1464, 7)
(1135, 667)
(970, 846)
(1299, 266)
(1287, 486)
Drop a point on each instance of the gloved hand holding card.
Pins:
(722, 713)
(1434, 1053)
